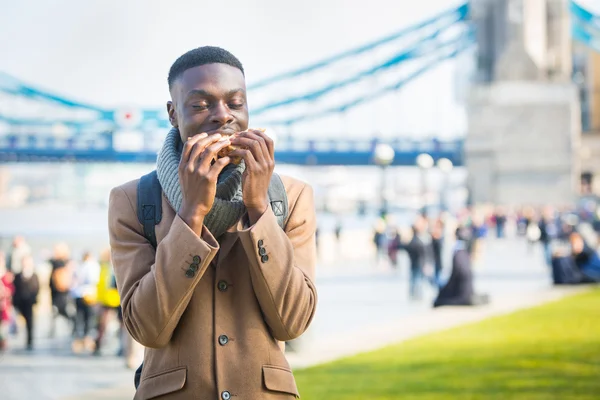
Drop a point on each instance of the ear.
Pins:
(172, 114)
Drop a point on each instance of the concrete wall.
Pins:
(523, 143)
(594, 88)
(541, 28)
(590, 158)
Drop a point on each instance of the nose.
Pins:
(221, 114)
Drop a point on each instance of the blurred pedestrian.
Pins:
(61, 279)
(379, 239)
(479, 231)
(437, 246)
(19, 249)
(338, 233)
(416, 248)
(394, 243)
(459, 291)
(108, 301)
(7, 290)
(549, 230)
(586, 258)
(27, 288)
(84, 291)
(500, 219)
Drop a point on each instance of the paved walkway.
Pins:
(362, 306)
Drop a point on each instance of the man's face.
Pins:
(577, 243)
(421, 224)
(209, 98)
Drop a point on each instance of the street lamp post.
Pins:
(446, 166)
(383, 157)
(425, 162)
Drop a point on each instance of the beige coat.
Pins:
(213, 314)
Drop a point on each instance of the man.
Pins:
(226, 285)
(547, 230)
(417, 246)
(437, 247)
(20, 249)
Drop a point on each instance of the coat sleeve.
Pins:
(282, 267)
(155, 286)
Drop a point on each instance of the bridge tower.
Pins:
(524, 127)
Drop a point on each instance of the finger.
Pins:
(217, 167)
(210, 153)
(246, 155)
(269, 141)
(189, 145)
(200, 146)
(254, 143)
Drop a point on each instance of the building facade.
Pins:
(524, 138)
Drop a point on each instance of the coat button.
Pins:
(196, 259)
(194, 267)
(223, 340)
(264, 258)
(262, 251)
(222, 285)
(260, 243)
(190, 273)
(225, 395)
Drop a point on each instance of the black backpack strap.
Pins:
(149, 205)
(278, 199)
(149, 210)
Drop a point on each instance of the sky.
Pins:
(117, 52)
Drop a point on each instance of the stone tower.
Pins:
(523, 112)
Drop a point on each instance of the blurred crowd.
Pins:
(567, 236)
(82, 293)
(440, 251)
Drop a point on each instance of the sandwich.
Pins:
(225, 151)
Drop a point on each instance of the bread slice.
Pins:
(225, 151)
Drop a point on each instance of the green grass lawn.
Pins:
(547, 352)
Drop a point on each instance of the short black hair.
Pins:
(201, 56)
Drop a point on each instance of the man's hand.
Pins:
(198, 178)
(258, 152)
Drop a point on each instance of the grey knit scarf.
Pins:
(228, 206)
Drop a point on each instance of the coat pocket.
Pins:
(279, 379)
(161, 383)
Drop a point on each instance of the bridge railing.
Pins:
(111, 147)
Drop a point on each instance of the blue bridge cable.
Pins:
(21, 89)
(18, 88)
(462, 11)
(584, 15)
(581, 35)
(80, 125)
(464, 44)
(415, 51)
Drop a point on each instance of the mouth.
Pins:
(222, 132)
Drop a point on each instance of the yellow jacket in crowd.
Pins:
(108, 295)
